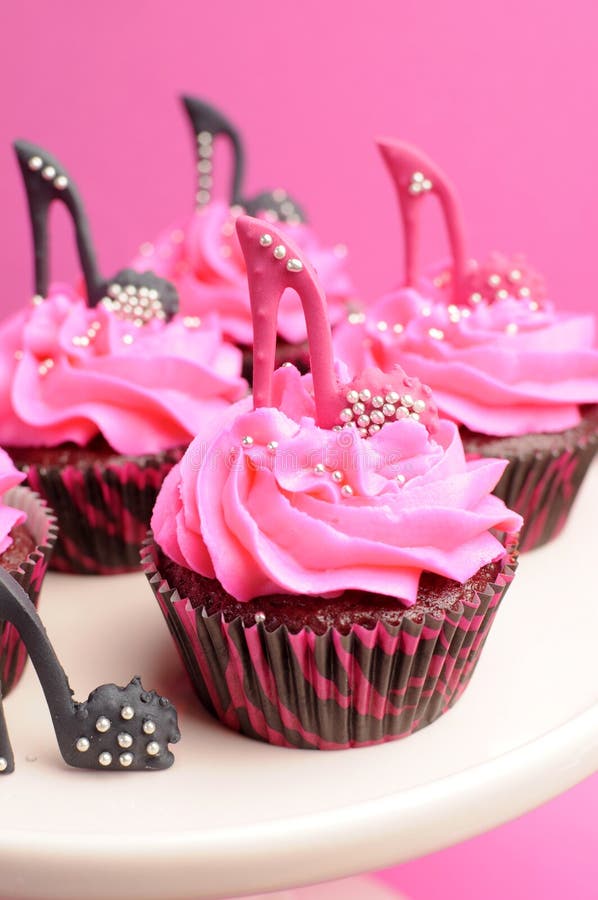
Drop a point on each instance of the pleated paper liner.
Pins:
(103, 507)
(41, 524)
(332, 690)
(544, 474)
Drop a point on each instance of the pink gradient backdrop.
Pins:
(503, 95)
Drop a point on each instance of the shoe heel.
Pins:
(7, 760)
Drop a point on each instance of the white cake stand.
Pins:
(234, 816)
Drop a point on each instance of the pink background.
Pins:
(502, 95)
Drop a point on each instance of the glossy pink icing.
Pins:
(281, 499)
(498, 356)
(501, 368)
(9, 517)
(265, 522)
(144, 389)
(204, 260)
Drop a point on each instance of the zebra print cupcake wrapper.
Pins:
(41, 524)
(103, 509)
(330, 691)
(541, 483)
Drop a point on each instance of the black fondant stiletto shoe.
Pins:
(116, 728)
(208, 123)
(128, 293)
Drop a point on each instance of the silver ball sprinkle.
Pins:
(436, 333)
(382, 325)
(358, 408)
(415, 416)
(407, 400)
(272, 446)
(247, 441)
(48, 173)
(105, 758)
(294, 265)
(365, 395)
(352, 397)
(363, 421)
(373, 429)
(265, 240)
(153, 748)
(346, 414)
(61, 182)
(149, 726)
(337, 476)
(377, 402)
(125, 740)
(82, 744)
(280, 251)
(127, 712)
(392, 397)
(103, 724)
(377, 417)
(347, 490)
(35, 163)
(319, 469)
(3, 764)
(402, 412)
(419, 406)
(401, 479)
(125, 759)
(389, 409)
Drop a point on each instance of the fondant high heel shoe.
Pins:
(208, 123)
(469, 282)
(415, 176)
(128, 293)
(115, 728)
(275, 263)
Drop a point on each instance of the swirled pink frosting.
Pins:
(266, 518)
(68, 373)
(204, 260)
(9, 517)
(509, 367)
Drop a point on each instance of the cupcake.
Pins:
(328, 562)
(101, 389)
(202, 257)
(518, 377)
(27, 536)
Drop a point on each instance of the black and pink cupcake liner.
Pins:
(331, 691)
(103, 508)
(41, 524)
(544, 474)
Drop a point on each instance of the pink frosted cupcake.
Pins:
(519, 377)
(201, 256)
(328, 565)
(27, 536)
(101, 392)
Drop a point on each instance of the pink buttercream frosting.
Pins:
(203, 259)
(266, 517)
(9, 517)
(69, 373)
(509, 365)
